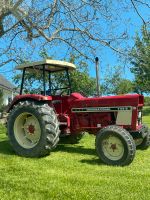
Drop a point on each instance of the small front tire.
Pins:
(115, 146)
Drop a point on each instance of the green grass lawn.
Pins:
(72, 172)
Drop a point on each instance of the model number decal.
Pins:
(101, 109)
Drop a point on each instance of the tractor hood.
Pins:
(107, 101)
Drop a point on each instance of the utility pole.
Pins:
(97, 76)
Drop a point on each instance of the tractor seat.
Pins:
(76, 95)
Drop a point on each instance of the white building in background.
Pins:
(8, 89)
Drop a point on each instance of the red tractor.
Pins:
(36, 121)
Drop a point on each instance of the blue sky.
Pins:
(108, 58)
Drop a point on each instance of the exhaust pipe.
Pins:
(97, 76)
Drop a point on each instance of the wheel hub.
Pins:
(113, 148)
(31, 129)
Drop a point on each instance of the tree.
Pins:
(125, 86)
(115, 84)
(32, 83)
(140, 59)
(81, 26)
(81, 80)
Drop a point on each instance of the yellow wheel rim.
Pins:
(27, 130)
(113, 148)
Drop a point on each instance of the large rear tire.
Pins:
(115, 146)
(33, 129)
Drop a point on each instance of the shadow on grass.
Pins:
(5, 148)
(146, 111)
(94, 161)
(80, 150)
(75, 149)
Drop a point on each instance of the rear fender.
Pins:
(28, 97)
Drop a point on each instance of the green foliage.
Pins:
(80, 78)
(147, 101)
(125, 86)
(140, 59)
(32, 83)
(146, 116)
(83, 83)
(115, 84)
